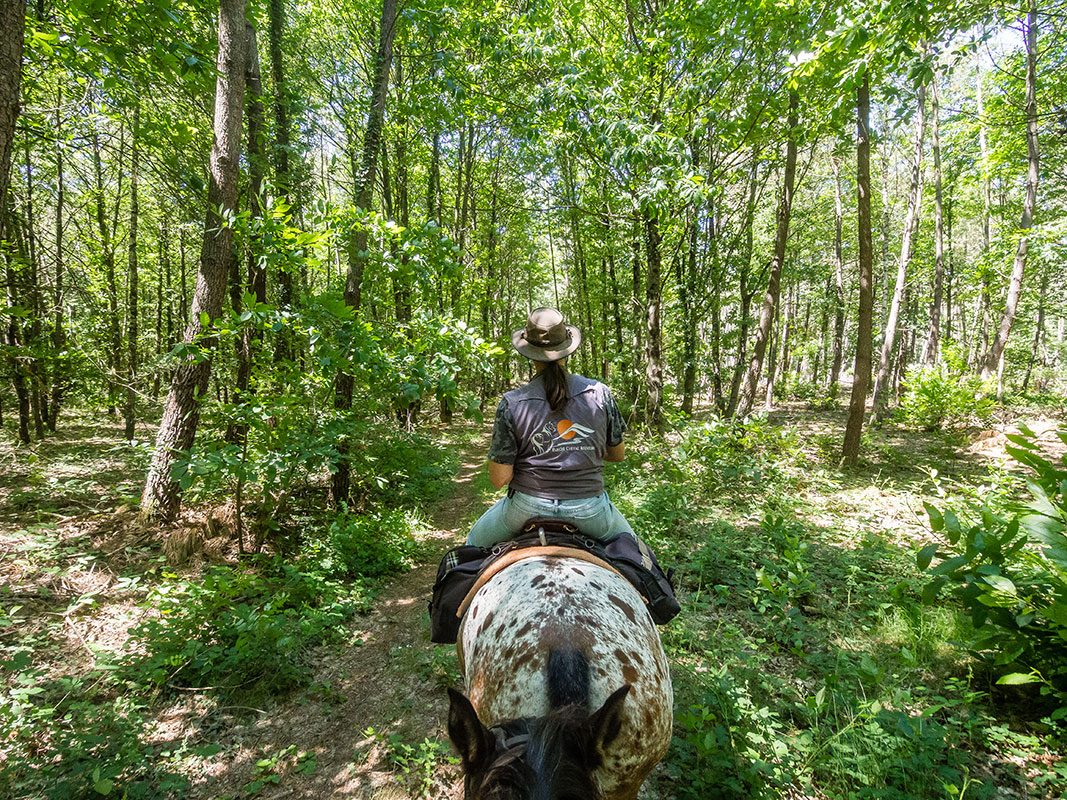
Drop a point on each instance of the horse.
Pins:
(542, 644)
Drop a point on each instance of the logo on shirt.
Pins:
(561, 436)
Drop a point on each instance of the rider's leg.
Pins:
(491, 526)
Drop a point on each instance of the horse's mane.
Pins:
(560, 753)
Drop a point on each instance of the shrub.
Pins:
(361, 545)
(740, 456)
(1009, 569)
(938, 397)
(237, 630)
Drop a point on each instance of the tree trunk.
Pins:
(181, 412)
(745, 294)
(1036, 356)
(931, 349)
(59, 334)
(130, 410)
(861, 374)
(653, 327)
(358, 242)
(839, 282)
(38, 397)
(107, 252)
(774, 277)
(282, 145)
(911, 224)
(12, 28)
(994, 357)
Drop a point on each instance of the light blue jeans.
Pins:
(594, 516)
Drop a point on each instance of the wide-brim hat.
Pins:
(546, 336)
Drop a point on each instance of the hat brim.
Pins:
(535, 353)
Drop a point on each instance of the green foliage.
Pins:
(1009, 570)
(743, 458)
(417, 764)
(944, 396)
(89, 731)
(727, 746)
(361, 545)
(240, 631)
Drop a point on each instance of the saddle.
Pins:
(465, 569)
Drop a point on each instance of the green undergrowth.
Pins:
(805, 662)
(82, 723)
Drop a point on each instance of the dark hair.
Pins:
(555, 377)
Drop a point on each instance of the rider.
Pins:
(551, 438)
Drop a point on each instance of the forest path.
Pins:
(386, 676)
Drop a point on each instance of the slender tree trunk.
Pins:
(133, 331)
(745, 294)
(839, 282)
(861, 374)
(256, 275)
(12, 33)
(932, 347)
(358, 243)
(911, 224)
(774, 277)
(181, 411)
(283, 178)
(1036, 356)
(107, 252)
(59, 334)
(686, 284)
(653, 328)
(993, 362)
(38, 396)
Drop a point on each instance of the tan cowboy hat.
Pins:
(546, 336)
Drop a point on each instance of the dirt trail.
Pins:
(387, 676)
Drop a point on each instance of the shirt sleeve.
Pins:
(616, 424)
(504, 448)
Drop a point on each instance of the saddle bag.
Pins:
(461, 566)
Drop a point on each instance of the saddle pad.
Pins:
(514, 556)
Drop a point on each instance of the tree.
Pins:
(181, 412)
(861, 372)
(357, 250)
(12, 25)
(911, 225)
(774, 277)
(993, 362)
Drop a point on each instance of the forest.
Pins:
(262, 262)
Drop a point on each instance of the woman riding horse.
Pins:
(551, 438)
(569, 691)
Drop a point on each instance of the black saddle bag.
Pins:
(461, 566)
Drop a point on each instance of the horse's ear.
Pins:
(606, 723)
(471, 738)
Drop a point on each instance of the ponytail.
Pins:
(554, 376)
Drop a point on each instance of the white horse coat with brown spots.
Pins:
(550, 603)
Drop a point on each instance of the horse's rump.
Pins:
(550, 604)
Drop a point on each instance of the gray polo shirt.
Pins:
(557, 455)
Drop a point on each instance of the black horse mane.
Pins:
(559, 754)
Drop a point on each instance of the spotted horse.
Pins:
(568, 689)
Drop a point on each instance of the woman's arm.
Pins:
(500, 474)
(616, 452)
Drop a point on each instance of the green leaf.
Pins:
(1017, 679)
(925, 556)
(1000, 583)
(937, 521)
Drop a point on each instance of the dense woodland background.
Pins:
(284, 245)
